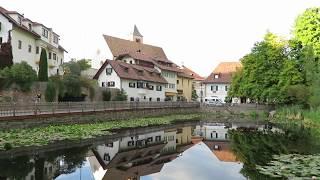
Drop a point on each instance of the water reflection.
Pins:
(200, 150)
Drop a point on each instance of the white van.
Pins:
(213, 100)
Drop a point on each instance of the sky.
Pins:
(196, 33)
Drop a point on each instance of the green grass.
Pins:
(45, 135)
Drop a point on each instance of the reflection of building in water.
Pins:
(134, 156)
(221, 149)
(212, 131)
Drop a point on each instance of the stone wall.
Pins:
(90, 117)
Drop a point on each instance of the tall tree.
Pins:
(43, 66)
(307, 29)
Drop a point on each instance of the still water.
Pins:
(197, 150)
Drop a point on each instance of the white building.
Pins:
(140, 83)
(28, 38)
(148, 56)
(219, 81)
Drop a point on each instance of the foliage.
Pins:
(16, 168)
(292, 166)
(43, 66)
(84, 64)
(194, 95)
(307, 29)
(51, 92)
(121, 96)
(44, 135)
(20, 74)
(106, 95)
(259, 77)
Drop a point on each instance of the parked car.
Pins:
(213, 101)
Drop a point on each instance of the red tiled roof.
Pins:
(130, 71)
(196, 76)
(121, 46)
(224, 70)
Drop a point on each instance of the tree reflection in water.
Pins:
(254, 147)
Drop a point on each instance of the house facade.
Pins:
(184, 87)
(28, 38)
(136, 52)
(217, 84)
(197, 84)
(140, 83)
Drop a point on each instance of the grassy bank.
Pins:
(44, 135)
(296, 114)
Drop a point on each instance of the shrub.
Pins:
(50, 94)
(43, 66)
(21, 74)
(106, 95)
(121, 96)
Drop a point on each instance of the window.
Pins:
(57, 71)
(158, 99)
(44, 33)
(158, 138)
(19, 44)
(49, 55)
(106, 157)
(29, 48)
(108, 71)
(0, 40)
(217, 88)
(37, 50)
(226, 88)
(130, 143)
(55, 39)
(61, 61)
(172, 86)
(144, 97)
(103, 84)
(166, 85)
(177, 81)
(0, 26)
(131, 98)
(226, 136)
(139, 84)
(111, 84)
(132, 84)
(159, 88)
(110, 144)
(150, 87)
(19, 20)
(216, 76)
(30, 27)
(150, 139)
(130, 62)
(150, 99)
(54, 56)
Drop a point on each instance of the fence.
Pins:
(34, 109)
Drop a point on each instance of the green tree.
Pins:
(259, 78)
(51, 92)
(43, 66)
(106, 95)
(194, 95)
(20, 74)
(84, 64)
(307, 29)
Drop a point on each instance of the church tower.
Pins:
(137, 37)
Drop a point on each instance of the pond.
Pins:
(190, 150)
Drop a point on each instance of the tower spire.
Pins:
(137, 36)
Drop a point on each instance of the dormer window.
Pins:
(55, 39)
(216, 76)
(19, 20)
(44, 33)
(30, 27)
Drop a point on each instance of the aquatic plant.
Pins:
(292, 166)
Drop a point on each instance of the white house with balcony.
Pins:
(219, 81)
(28, 38)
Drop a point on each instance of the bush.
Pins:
(43, 66)
(121, 96)
(50, 94)
(106, 95)
(21, 74)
